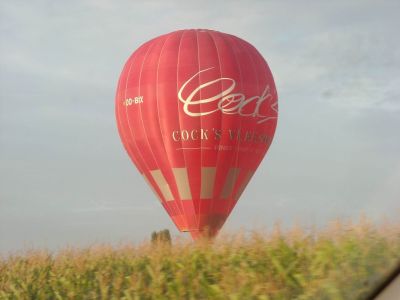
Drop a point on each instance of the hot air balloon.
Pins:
(196, 112)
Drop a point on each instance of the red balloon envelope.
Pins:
(196, 112)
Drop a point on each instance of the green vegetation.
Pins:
(341, 262)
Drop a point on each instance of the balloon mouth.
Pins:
(203, 234)
(207, 235)
(208, 229)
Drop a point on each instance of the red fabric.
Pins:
(196, 89)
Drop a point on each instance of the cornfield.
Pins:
(342, 261)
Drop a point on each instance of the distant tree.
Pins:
(165, 236)
(154, 237)
(162, 236)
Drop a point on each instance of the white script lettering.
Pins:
(226, 101)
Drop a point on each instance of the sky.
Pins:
(65, 179)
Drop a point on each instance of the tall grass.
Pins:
(341, 262)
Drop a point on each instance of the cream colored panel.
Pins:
(152, 188)
(182, 182)
(207, 182)
(246, 180)
(229, 182)
(162, 184)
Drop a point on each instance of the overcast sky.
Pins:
(65, 178)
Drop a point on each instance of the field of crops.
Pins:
(339, 262)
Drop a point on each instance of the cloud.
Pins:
(348, 69)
